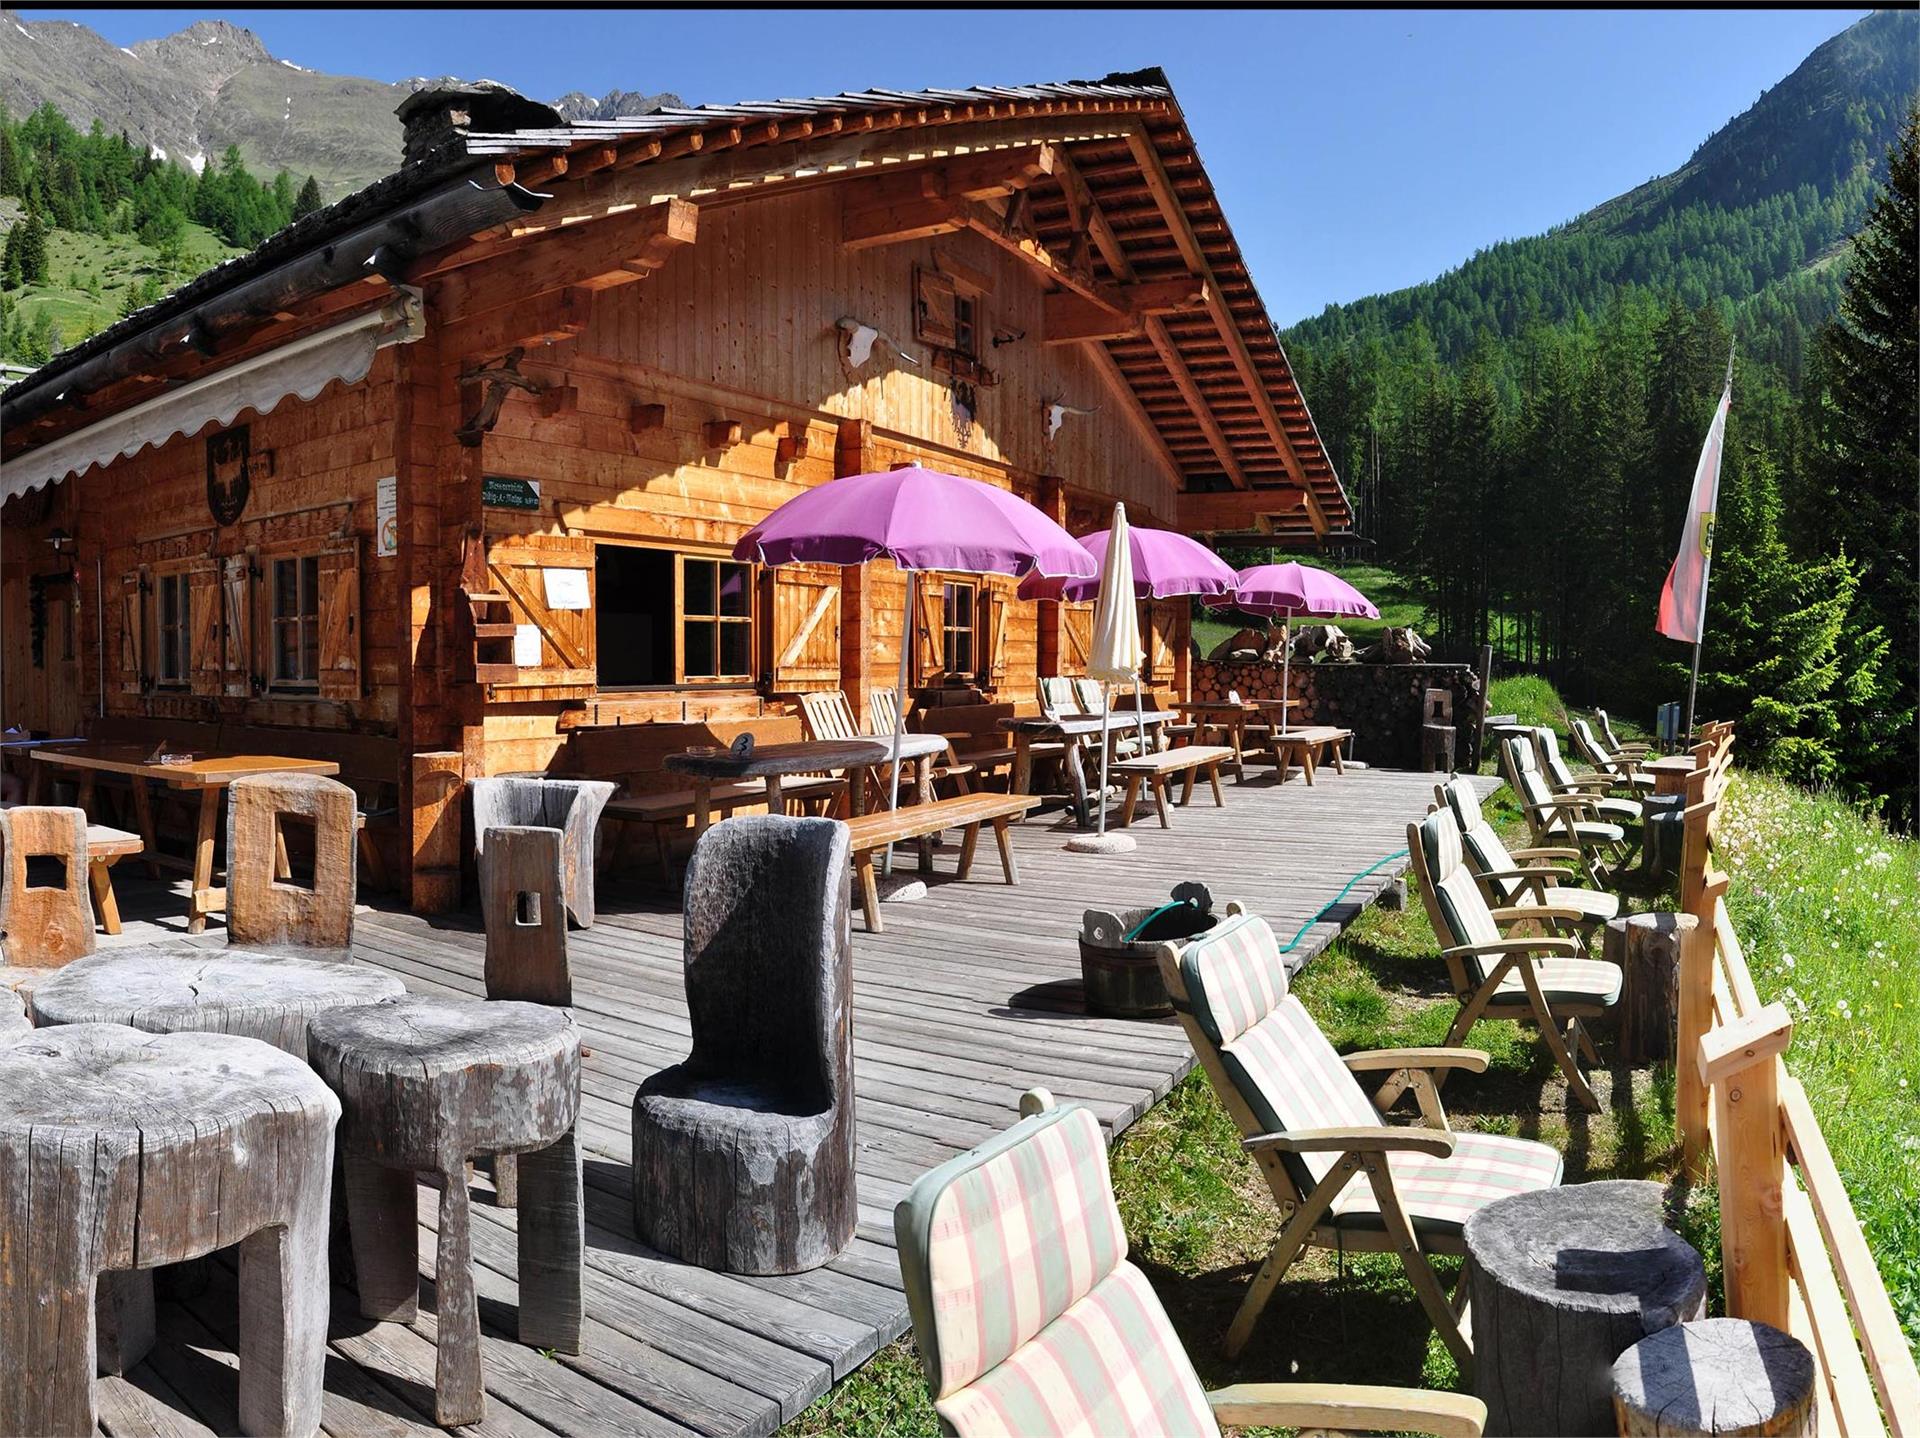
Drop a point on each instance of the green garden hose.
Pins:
(1294, 942)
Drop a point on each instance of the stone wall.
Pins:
(1379, 702)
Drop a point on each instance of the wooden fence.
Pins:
(1792, 1250)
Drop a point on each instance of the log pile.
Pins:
(1381, 703)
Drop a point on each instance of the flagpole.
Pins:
(1706, 577)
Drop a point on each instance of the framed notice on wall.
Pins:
(386, 517)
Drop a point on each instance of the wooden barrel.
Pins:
(1122, 979)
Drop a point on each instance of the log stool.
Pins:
(1647, 949)
(119, 1148)
(46, 926)
(1563, 1280)
(1718, 1376)
(262, 996)
(426, 1084)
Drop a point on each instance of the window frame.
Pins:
(967, 632)
(751, 621)
(305, 621)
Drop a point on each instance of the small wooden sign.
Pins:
(498, 492)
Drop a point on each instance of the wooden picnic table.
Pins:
(1231, 717)
(208, 775)
(773, 762)
(1076, 731)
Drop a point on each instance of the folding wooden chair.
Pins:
(1029, 1318)
(1638, 750)
(1312, 1128)
(1562, 780)
(1570, 820)
(1623, 769)
(1520, 878)
(884, 715)
(1538, 978)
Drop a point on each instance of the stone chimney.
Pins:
(437, 117)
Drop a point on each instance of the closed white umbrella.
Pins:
(1117, 654)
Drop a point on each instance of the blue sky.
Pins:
(1356, 151)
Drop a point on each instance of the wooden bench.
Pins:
(1154, 769)
(1309, 747)
(669, 808)
(105, 848)
(966, 812)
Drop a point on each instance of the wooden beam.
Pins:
(872, 227)
(1122, 392)
(615, 252)
(1120, 313)
(1099, 228)
(1174, 213)
(542, 320)
(1169, 353)
(1236, 510)
(920, 200)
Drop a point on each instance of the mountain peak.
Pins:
(577, 105)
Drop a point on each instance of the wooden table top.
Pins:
(804, 756)
(1219, 706)
(1075, 725)
(211, 771)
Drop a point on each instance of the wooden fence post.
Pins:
(1696, 979)
(1740, 1061)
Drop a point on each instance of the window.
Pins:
(296, 622)
(965, 324)
(957, 628)
(171, 631)
(663, 618)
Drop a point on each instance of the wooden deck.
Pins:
(970, 997)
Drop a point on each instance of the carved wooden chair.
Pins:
(1029, 1318)
(46, 925)
(1541, 979)
(1556, 820)
(570, 805)
(743, 1153)
(268, 911)
(1313, 1129)
(1520, 878)
(1623, 769)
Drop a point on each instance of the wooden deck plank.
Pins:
(969, 997)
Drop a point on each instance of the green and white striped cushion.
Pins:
(1562, 981)
(998, 1243)
(1111, 1366)
(1292, 1079)
(1234, 976)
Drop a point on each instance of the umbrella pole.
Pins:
(899, 715)
(1106, 745)
(1139, 712)
(1286, 673)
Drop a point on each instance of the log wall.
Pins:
(1381, 703)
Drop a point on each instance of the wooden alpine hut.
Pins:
(442, 480)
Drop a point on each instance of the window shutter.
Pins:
(133, 631)
(515, 569)
(993, 635)
(933, 316)
(1160, 634)
(237, 590)
(203, 612)
(1076, 628)
(929, 608)
(806, 629)
(340, 620)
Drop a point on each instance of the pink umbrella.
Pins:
(920, 519)
(1293, 589)
(1165, 566)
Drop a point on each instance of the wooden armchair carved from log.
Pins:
(570, 805)
(268, 911)
(523, 896)
(743, 1153)
(46, 925)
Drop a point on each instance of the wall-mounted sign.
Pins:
(386, 517)
(566, 588)
(228, 483)
(498, 492)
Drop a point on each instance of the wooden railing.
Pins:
(1792, 1251)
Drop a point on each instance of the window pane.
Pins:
(736, 649)
(633, 615)
(286, 588)
(169, 602)
(286, 650)
(736, 597)
(310, 586)
(699, 580)
(700, 651)
(309, 649)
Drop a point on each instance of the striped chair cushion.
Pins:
(1440, 1194)
(1108, 1367)
(1562, 981)
(1292, 1079)
(1590, 904)
(1592, 831)
(1234, 976)
(1006, 1239)
(1461, 903)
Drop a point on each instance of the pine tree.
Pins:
(308, 200)
(27, 250)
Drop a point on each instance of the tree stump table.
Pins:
(121, 1149)
(265, 996)
(1718, 1376)
(1647, 949)
(426, 1084)
(1563, 1280)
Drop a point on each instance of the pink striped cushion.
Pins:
(1109, 1367)
(1292, 1079)
(1234, 976)
(1015, 1242)
(1440, 1194)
